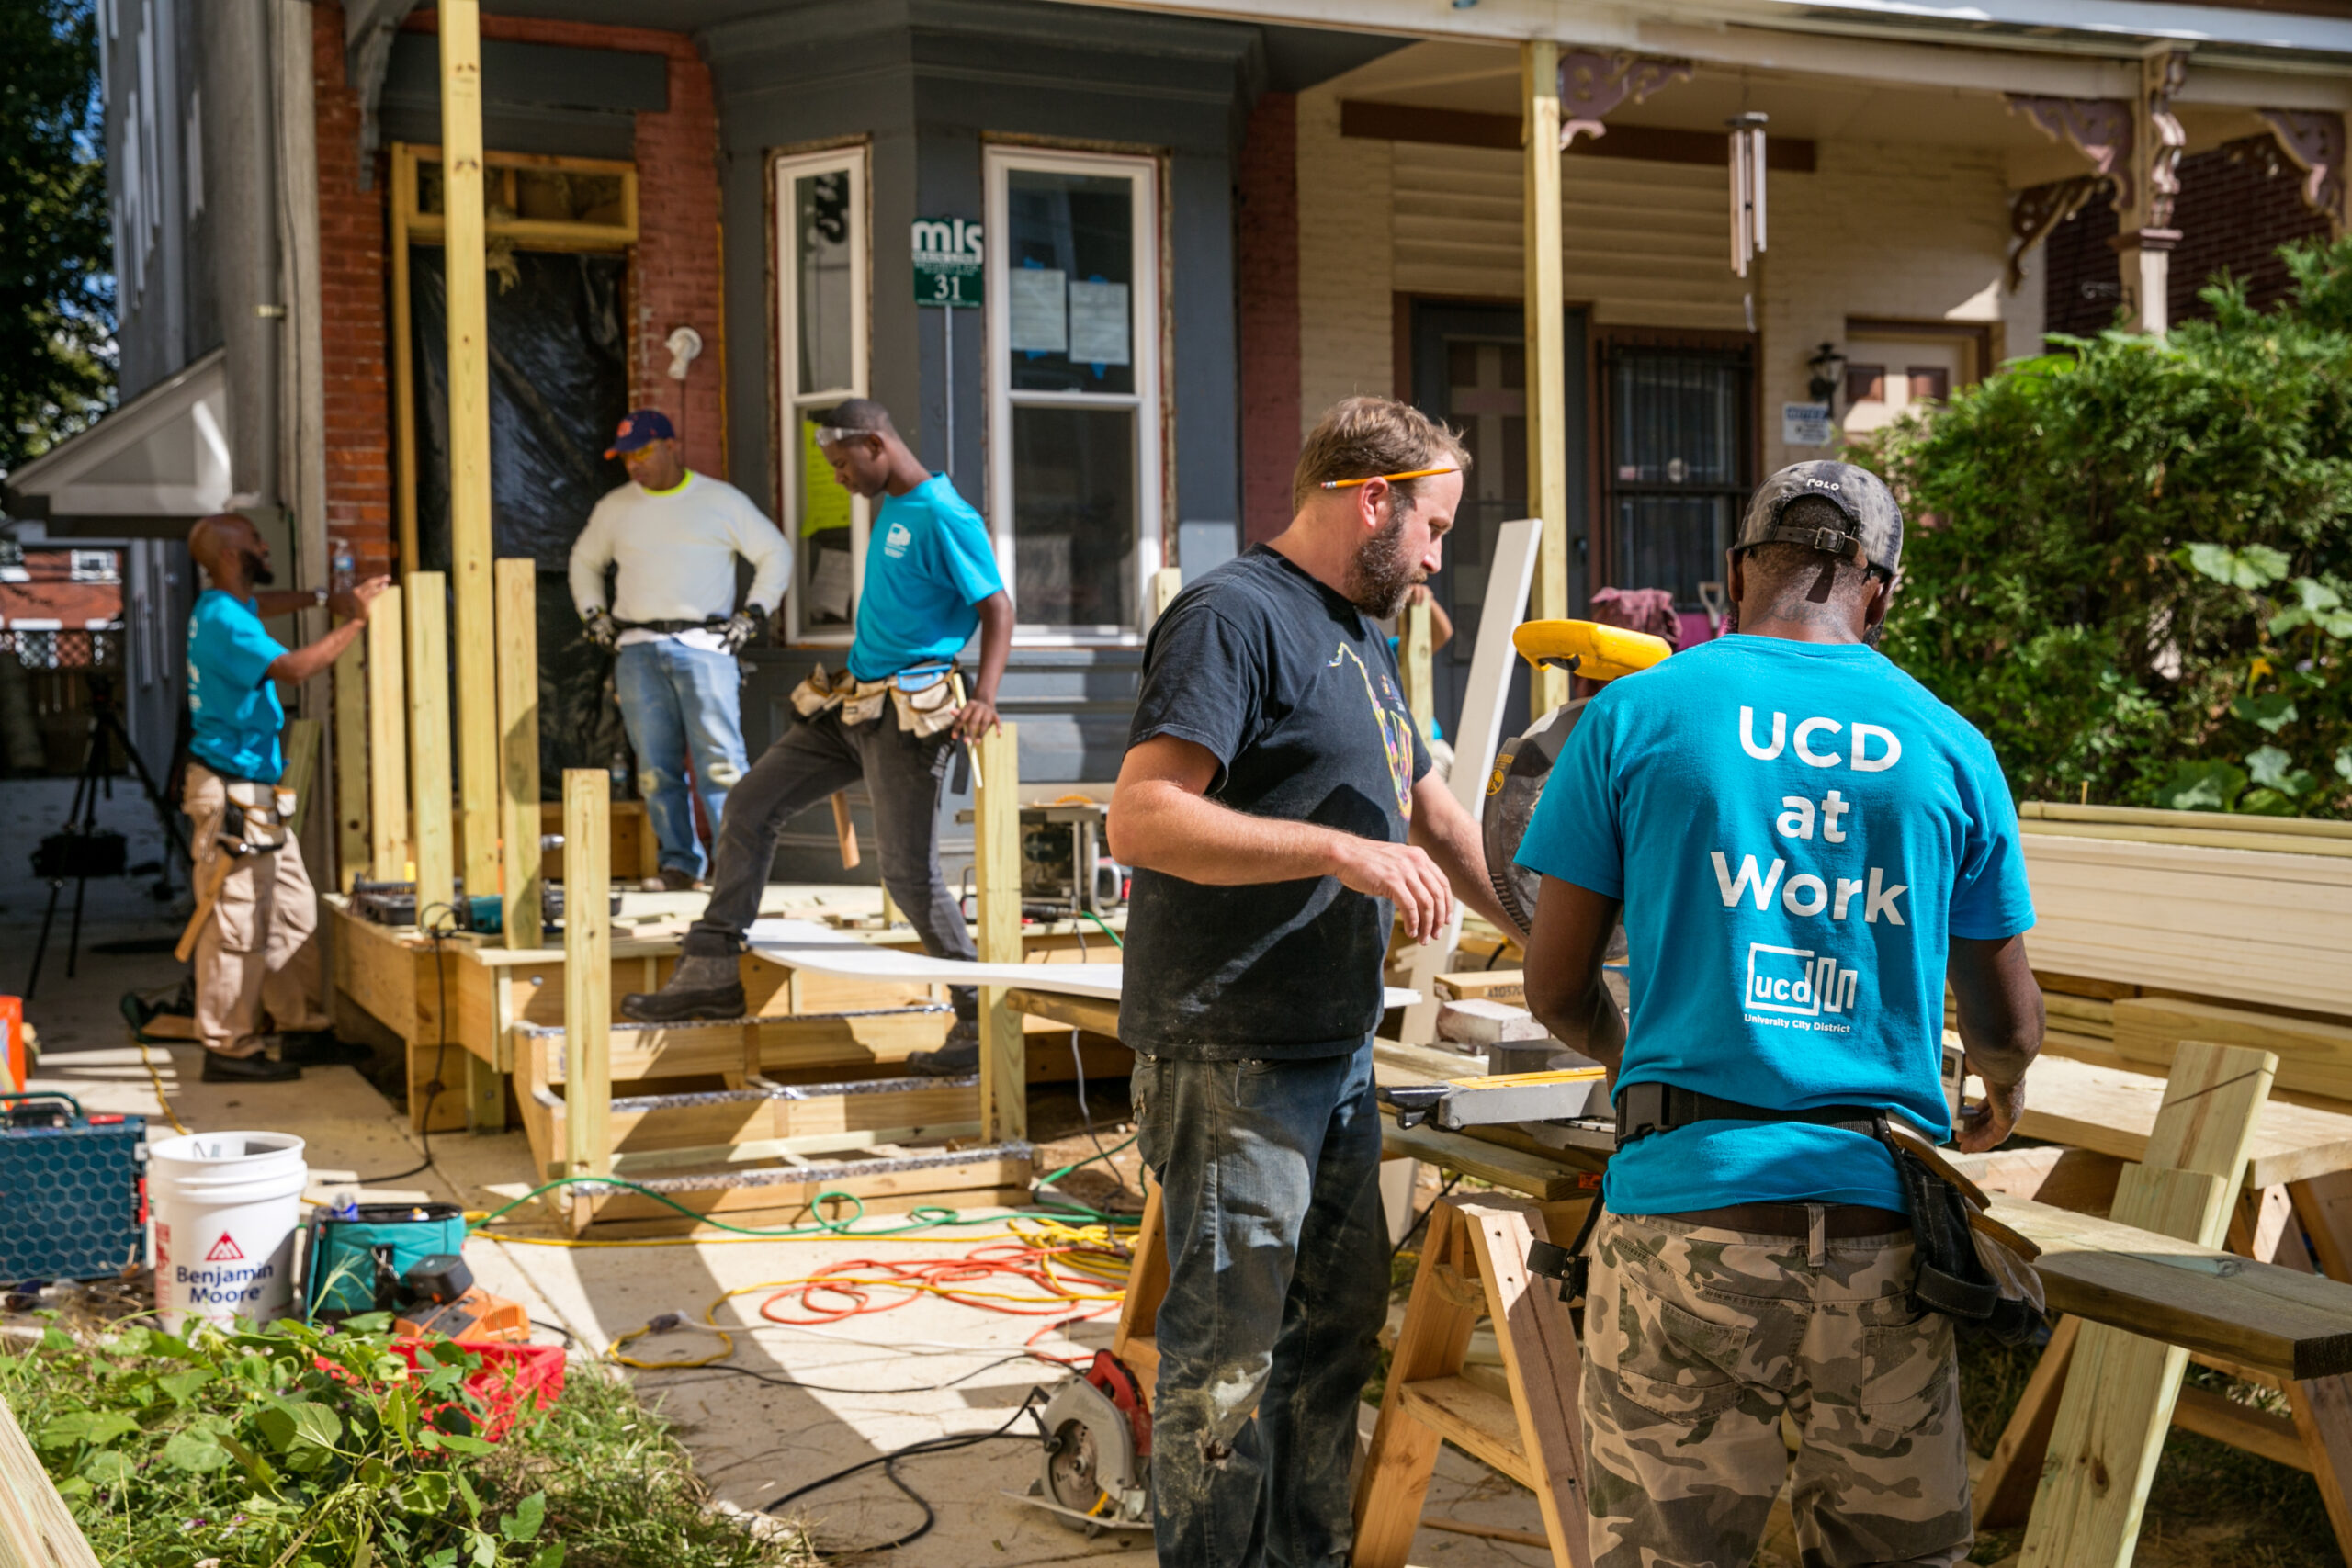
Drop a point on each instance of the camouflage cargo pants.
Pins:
(1696, 1340)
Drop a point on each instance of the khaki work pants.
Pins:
(255, 953)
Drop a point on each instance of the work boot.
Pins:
(708, 983)
(256, 1069)
(959, 1055)
(672, 879)
(320, 1048)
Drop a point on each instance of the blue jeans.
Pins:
(1277, 1286)
(677, 701)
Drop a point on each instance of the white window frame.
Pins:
(792, 401)
(1145, 305)
(93, 565)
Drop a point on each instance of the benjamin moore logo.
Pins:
(1792, 980)
(225, 1250)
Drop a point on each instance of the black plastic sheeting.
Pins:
(559, 385)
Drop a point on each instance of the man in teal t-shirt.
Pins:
(890, 721)
(1805, 845)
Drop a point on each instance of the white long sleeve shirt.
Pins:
(676, 551)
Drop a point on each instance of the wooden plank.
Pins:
(485, 1095)
(352, 845)
(2112, 1110)
(301, 774)
(1484, 985)
(2150, 817)
(2324, 1204)
(37, 1529)
(1479, 1423)
(1413, 663)
(2122, 1388)
(1439, 1317)
(2276, 843)
(587, 972)
(386, 739)
(727, 1193)
(435, 846)
(465, 277)
(2061, 1177)
(783, 1044)
(2313, 1058)
(996, 853)
(2223, 1419)
(2322, 1411)
(1535, 1176)
(1545, 305)
(2263, 1225)
(1078, 1012)
(1147, 1282)
(520, 862)
(1538, 1340)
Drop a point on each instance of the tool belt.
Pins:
(252, 827)
(672, 628)
(926, 697)
(1971, 1268)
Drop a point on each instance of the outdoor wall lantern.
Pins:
(1828, 367)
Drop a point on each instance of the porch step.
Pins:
(878, 1035)
(736, 1127)
(788, 1194)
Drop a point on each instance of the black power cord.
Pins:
(774, 1381)
(889, 1463)
(440, 932)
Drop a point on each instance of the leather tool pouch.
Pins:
(819, 692)
(927, 707)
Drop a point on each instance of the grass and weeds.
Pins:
(299, 1448)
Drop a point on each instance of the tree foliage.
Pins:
(56, 248)
(2131, 561)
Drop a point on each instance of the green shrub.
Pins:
(2130, 562)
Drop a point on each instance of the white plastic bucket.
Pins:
(228, 1207)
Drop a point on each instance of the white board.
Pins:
(805, 944)
(1510, 578)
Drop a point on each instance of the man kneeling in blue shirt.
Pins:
(1805, 844)
(891, 721)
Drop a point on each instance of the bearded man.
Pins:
(1277, 806)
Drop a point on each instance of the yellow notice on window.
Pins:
(824, 503)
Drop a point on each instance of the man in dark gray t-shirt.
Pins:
(1278, 806)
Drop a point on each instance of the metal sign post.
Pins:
(947, 258)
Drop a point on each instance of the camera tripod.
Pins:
(72, 852)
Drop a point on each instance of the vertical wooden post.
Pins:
(587, 972)
(36, 1527)
(1547, 387)
(1420, 680)
(463, 254)
(428, 728)
(996, 849)
(353, 846)
(1165, 583)
(519, 735)
(386, 739)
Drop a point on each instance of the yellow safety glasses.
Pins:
(1408, 474)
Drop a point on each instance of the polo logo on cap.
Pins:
(624, 430)
(1822, 484)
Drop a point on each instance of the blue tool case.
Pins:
(73, 1190)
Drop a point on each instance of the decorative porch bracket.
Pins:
(2313, 141)
(2036, 213)
(1593, 86)
(2099, 128)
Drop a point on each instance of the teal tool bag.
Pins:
(356, 1254)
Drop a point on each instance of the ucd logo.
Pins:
(894, 542)
(1792, 980)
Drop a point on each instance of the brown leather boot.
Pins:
(707, 984)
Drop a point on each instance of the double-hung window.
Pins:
(821, 328)
(1073, 385)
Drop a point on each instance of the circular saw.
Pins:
(1097, 1473)
(1523, 763)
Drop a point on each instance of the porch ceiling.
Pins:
(1483, 78)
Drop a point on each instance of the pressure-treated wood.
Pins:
(1546, 326)
(2314, 1058)
(1080, 1012)
(2003, 1494)
(587, 972)
(37, 1529)
(996, 853)
(2121, 1389)
(2112, 1110)
(350, 781)
(464, 261)
(2322, 1411)
(518, 751)
(301, 771)
(1414, 656)
(1542, 1362)
(388, 842)
(430, 782)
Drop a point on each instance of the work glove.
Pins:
(601, 630)
(747, 625)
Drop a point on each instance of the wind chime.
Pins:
(1747, 190)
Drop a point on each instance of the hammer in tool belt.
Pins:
(237, 839)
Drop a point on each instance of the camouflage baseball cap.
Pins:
(1873, 532)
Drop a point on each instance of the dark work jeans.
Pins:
(1278, 1284)
(813, 759)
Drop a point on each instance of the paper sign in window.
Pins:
(1040, 324)
(824, 503)
(1098, 323)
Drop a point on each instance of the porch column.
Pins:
(475, 652)
(2144, 236)
(1547, 412)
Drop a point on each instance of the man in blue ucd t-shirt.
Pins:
(1805, 845)
(890, 722)
(253, 953)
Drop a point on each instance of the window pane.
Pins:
(1070, 281)
(827, 285)
(1074, 516)
(1674, 542)
(1677, 420)
(822, 534)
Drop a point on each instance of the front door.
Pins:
(1469, 364)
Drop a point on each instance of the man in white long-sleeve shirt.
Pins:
(674, 535)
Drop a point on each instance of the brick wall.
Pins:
(1346, 261)
(352, 304)
(1268, 265)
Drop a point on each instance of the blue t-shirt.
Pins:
(929, 561)
(231, 699)
(1797, 829)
